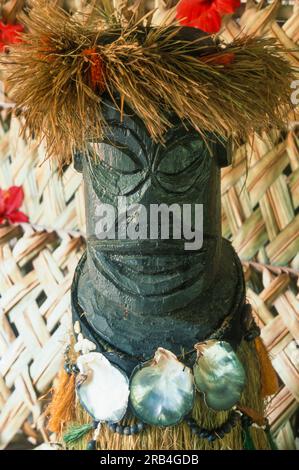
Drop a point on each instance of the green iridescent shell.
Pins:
(162, 391)
(218, 374)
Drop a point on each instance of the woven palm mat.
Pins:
(37, 260)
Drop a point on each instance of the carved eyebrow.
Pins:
(126, 139)
(206, 137)
(124, 150)
(173, 142)
(184, 139)
(183, 128)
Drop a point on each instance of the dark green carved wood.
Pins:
(139, 295)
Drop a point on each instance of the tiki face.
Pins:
(129, 164)
(129, 284)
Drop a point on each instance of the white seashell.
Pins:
(49, 446)
(103, 389)
(218, 374)
(162, 391)
(85, 346)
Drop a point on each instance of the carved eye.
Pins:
(182, 157)
(116, 157)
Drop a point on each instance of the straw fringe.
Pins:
(153, 70)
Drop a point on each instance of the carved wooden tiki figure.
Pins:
(165, 353)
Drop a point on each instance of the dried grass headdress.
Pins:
(65, 65)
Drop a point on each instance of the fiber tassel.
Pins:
(75, 433)
(61, 410)
(269, 380)
(271, 441)
(247, 439)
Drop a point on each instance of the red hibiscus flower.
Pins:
(205, 14)
(10, 201)
(9, 34)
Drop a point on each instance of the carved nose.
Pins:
(151, 193)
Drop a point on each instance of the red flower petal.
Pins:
(205, 14)
(8, 28)
(190, 10)
(17, 216)
(2, 202)
(9, 34)
(13, 199)
(209, 22)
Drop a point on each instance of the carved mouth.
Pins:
(151, 247)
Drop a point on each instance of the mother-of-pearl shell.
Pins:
(218, 374)
(162, 391)
(103, 389)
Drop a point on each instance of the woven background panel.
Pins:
(35, 277)
(260, 215)
(37, 260)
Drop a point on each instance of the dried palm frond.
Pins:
(60, 73)
(165, 11)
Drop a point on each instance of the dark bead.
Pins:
(92, 445)
(190, 421)
(67, 368)
(248, 422)
(75, 369)
(95, 424)
(119, 429)
(140, 427)
(134, 429)
(234, 419)
(204, 433)
(212, 437)
(194, 429)
(231, 420)
(253, 333)
(226, 427)
(127, 431)
(249, 337)
(112, 427)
